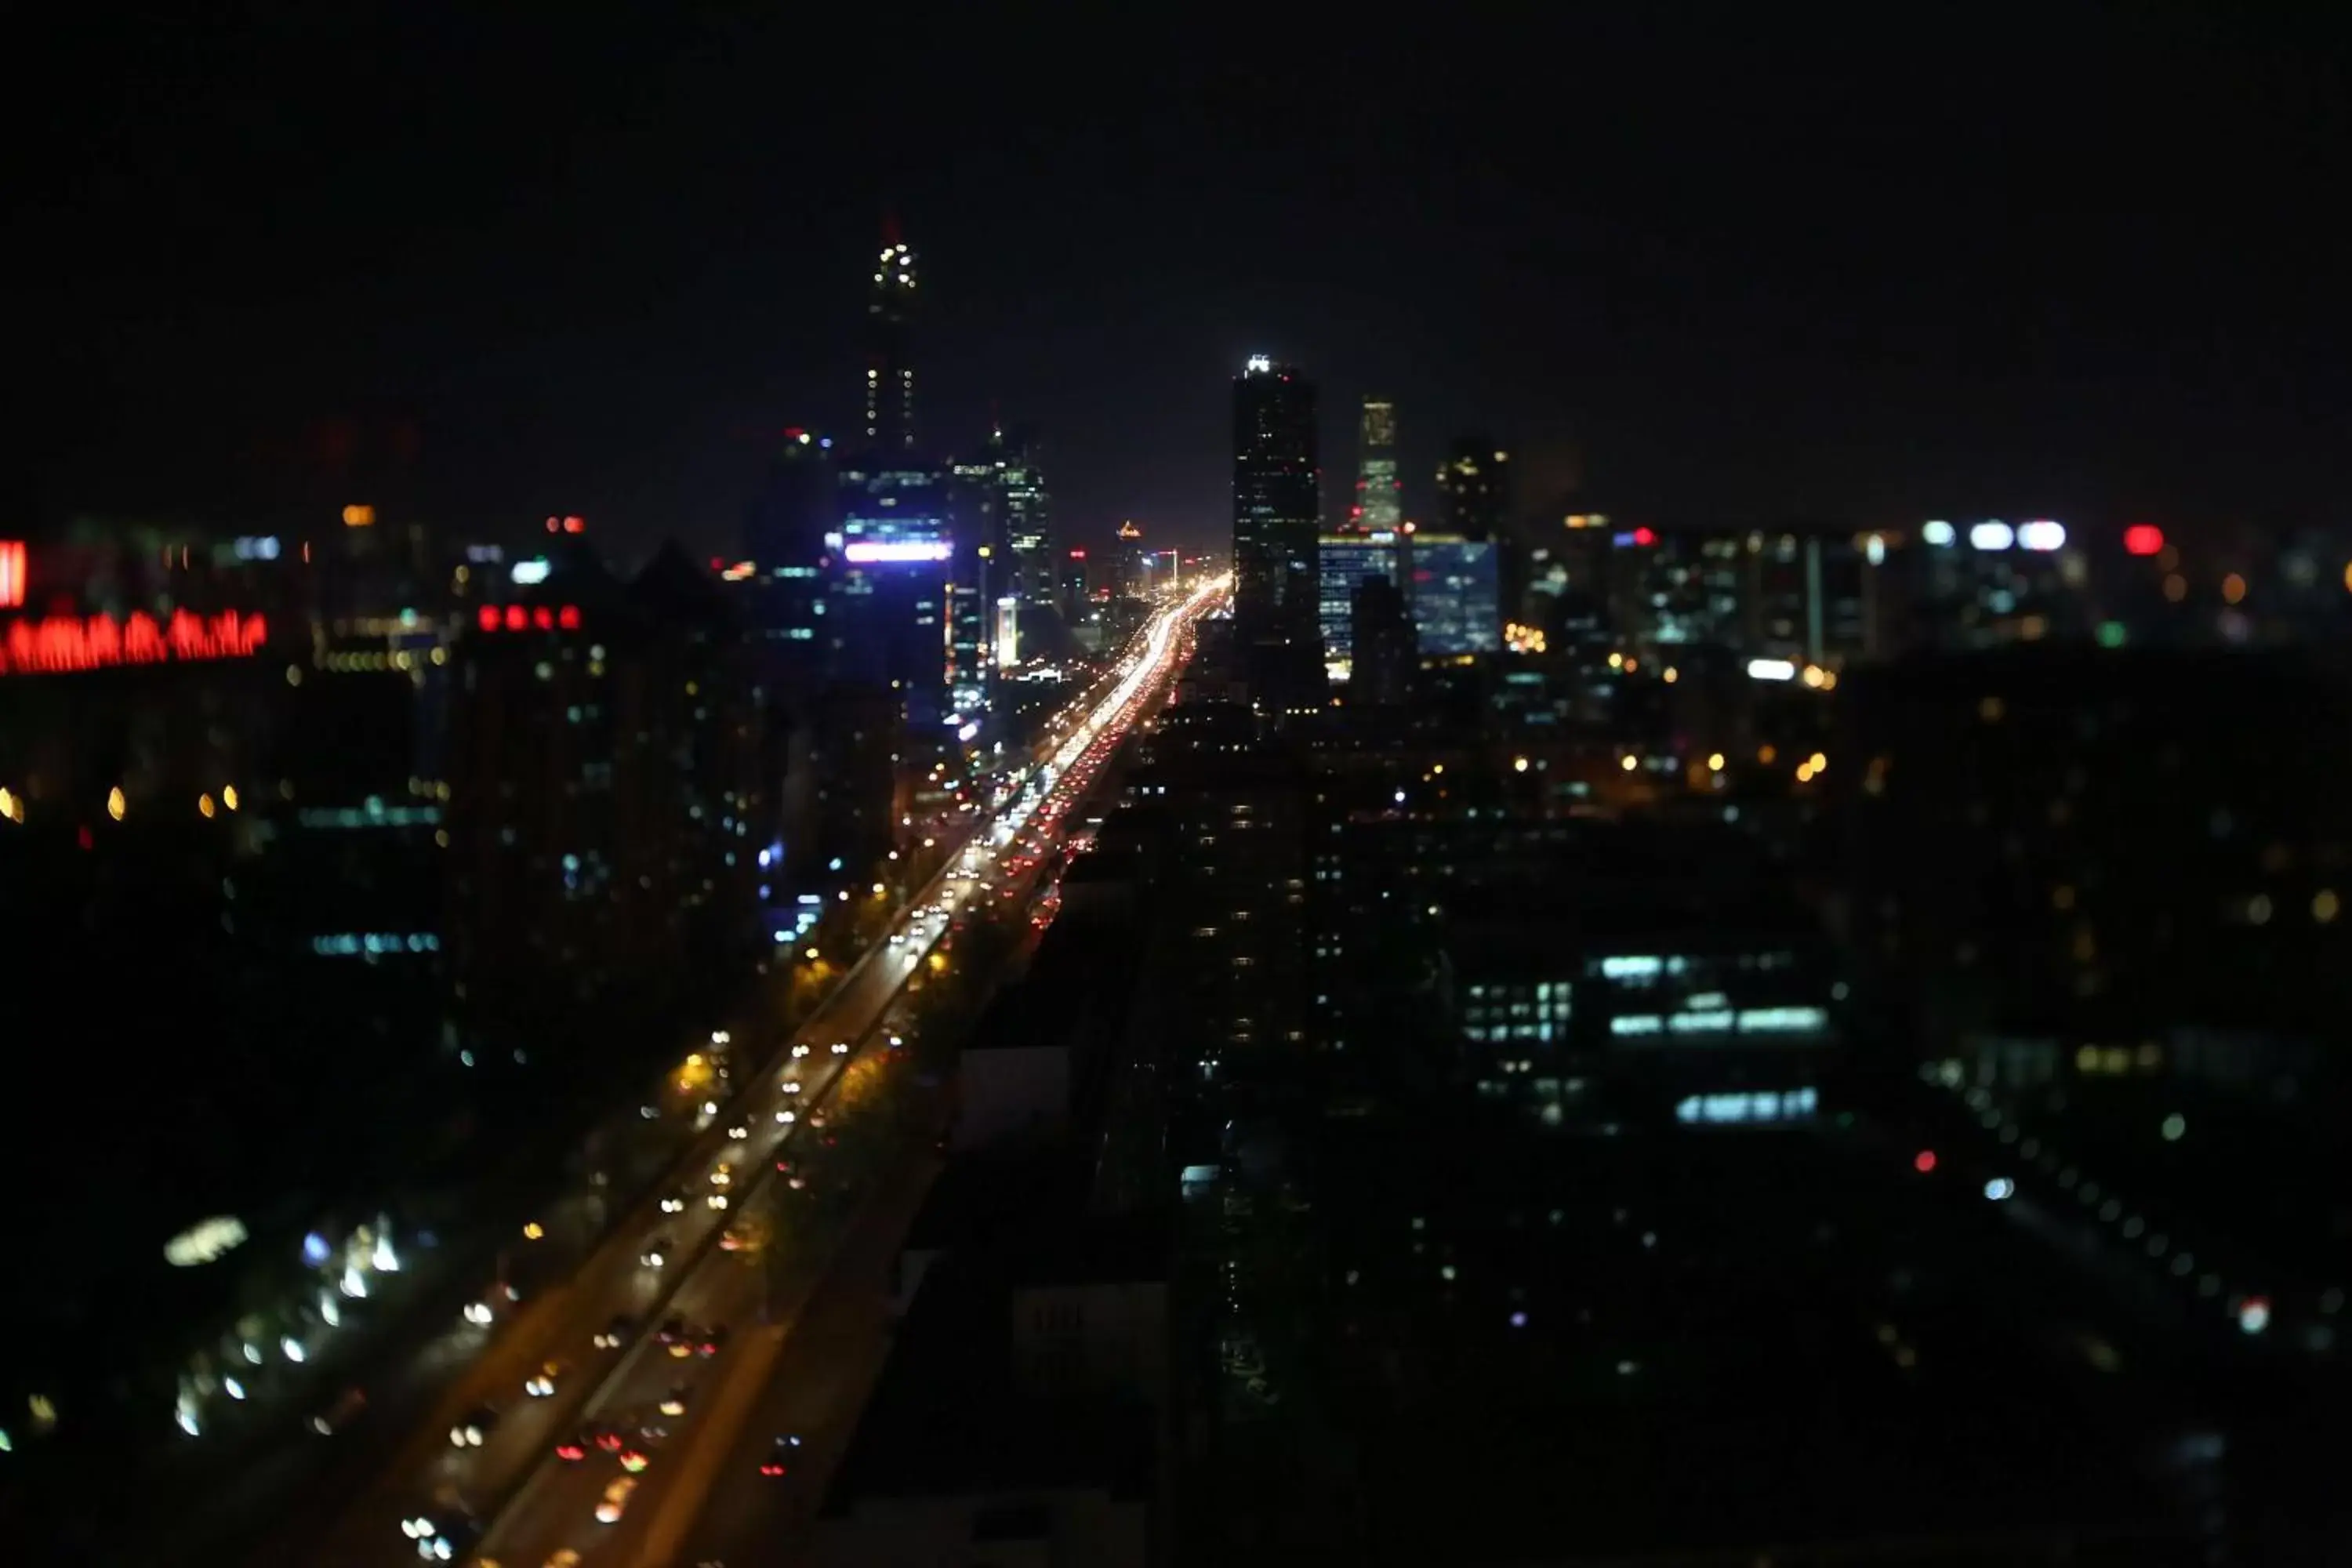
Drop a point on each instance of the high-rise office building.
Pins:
(1379, 491)
(894, 561)
(889, 370)
(1474, 483)
(1452, 591)
(1277, 498)
(1343, 561)
(1028, 515)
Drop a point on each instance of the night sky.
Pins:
(1724, 265)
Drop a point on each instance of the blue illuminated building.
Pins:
(1455, 592)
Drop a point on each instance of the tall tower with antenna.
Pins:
(889, 365)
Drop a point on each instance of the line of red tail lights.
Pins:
(59, 644)
(522, 618)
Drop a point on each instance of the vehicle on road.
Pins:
(657, 1253)
(674, 1402)
(778, 1460)
(474, 1427)
(541, 1383)
(345, 1410)
(615, 1334)
(615, 1502)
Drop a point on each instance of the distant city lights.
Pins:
(2041, 534)
(2143, 539)
(1771, 669)
(1993, 535)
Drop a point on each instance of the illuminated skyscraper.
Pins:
(1277, 496)
(1475, 483)
(1378, 489)
(890, 368)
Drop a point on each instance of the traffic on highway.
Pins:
(555, 1444)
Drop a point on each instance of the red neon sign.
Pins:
(519, 618)
(12, 572)
(61, 643)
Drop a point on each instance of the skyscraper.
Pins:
(1378, 489)
(889, 369)
(1474, 483)
(1277, 498)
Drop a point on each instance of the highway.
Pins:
(798, 1402)
(531, 1504)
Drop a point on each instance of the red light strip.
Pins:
(61, 644)
(12, 572)
(519, 618)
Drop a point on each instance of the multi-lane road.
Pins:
(516, 1497)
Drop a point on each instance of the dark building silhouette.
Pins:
(606, 809)
(1474, 485)
(1385, 650)
(1277, 499)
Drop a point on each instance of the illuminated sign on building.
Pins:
(880, 551)
(205, 1241)
(522, 618)
(1008, 632)
(531, 573)
(12, 572)
(61, 643)
(359, 517)
(1752, 1109)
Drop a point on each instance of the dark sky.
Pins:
(1737, 262)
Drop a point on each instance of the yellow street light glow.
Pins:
(1715, 760)
(1629, 763)
(205, 805)
(1616, 661)
(1672, 674)
(1518, 764)
(1818, 763)
(114, 803)
(533, 1231)
(228, 796)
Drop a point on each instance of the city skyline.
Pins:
(1653, 301)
